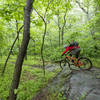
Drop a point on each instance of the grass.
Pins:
(32, 79)
(30, 60)
(55, 96)
(96, 62)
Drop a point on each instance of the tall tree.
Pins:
(59, 26)
(64, 23)
(22, 52)
(61, 12)
(45, 31)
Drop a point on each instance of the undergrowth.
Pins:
(31, 81)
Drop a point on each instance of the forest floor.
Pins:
(72, 85)
(57, 84)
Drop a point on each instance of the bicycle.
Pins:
(83, 63)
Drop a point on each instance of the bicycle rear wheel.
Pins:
(84, 63)
(64, 64)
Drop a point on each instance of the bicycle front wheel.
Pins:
(85, 63)
(64, 64)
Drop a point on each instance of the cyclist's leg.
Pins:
(77, 52)
(72, 54)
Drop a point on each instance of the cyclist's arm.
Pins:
(65, 51)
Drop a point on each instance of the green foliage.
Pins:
(54, 54)
(83, 96)
(5, 81)
(86, 33)
(55, 96)
(96, 62)
(32, 80)
(11, 9)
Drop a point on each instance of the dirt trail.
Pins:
(85, 85)
(57, 85)
(73, 85)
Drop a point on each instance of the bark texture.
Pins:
(22, 52)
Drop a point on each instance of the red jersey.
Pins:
(69, 48)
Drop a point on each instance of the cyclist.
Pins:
(73, 48)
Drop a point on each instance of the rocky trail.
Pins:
(72, 85)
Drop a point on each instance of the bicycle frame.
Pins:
(74, 59)
(83, 63)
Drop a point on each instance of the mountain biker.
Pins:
(73, 48)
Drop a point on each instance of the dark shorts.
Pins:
(75, 51)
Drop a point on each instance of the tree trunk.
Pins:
(11, 50)
(59, 35)
(26, 56)
(42, 47)
(62, 36)
(17, 29)
(45, 30)
(22, 52)
(64, 26)
(59, 27)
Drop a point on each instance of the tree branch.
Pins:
(45, 29)
(81, 7)
(39, 14)
(11, 49)
(47, 7)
